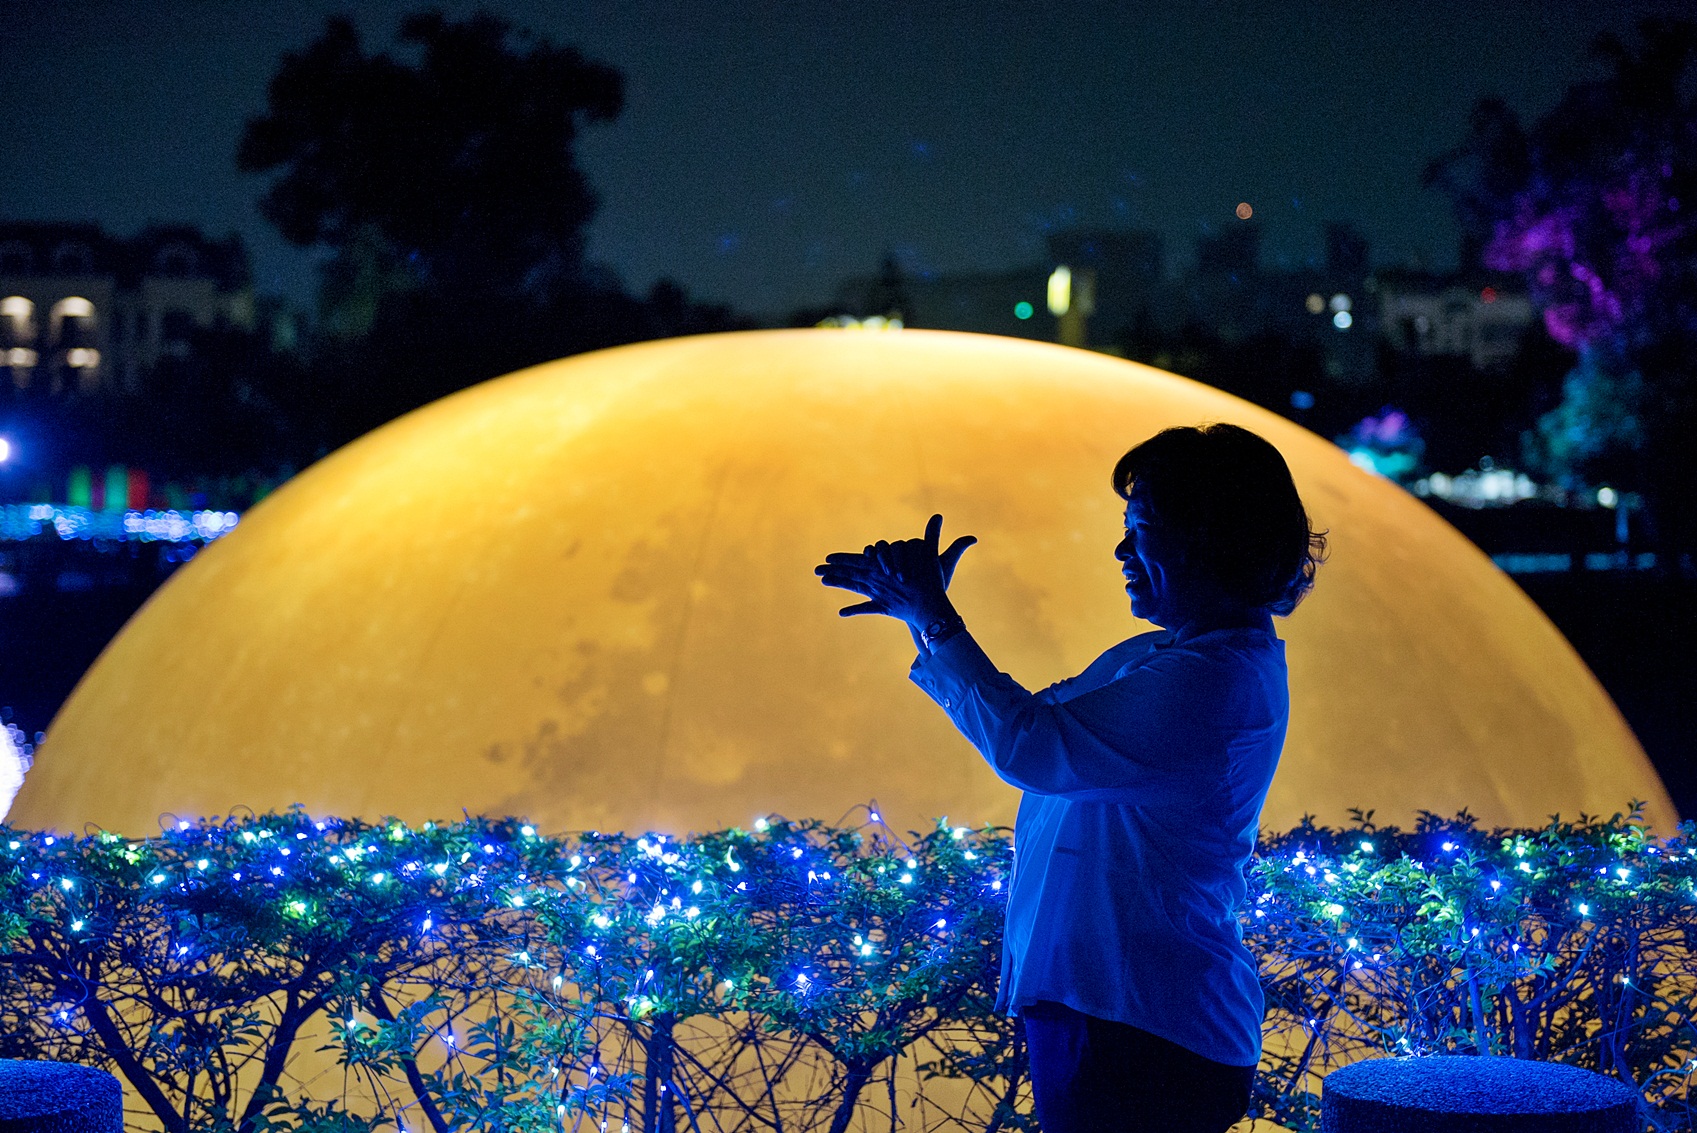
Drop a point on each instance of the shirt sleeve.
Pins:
(1148, 736)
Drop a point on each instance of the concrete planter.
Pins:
(58, 1097)
(1454, 1093)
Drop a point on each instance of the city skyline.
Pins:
(955, 146)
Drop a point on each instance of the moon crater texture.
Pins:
(584, 593)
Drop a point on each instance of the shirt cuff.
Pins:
(950, 670)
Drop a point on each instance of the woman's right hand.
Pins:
(892, 575)
(947, 560)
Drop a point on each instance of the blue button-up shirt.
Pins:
(1144, 778)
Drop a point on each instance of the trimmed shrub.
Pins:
(280, 972)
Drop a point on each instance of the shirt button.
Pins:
(947, 703)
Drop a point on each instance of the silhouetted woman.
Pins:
(1143, 781)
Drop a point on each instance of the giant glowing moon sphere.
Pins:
(585, 593)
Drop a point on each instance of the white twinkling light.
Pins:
(15, 762)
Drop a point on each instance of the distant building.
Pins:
(1002, 302)
(1330, 306)
(1127, 269)
(83, 311)
(1440, 315)
(1125, 266)
(1343, 307)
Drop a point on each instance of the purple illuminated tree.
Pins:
(1594, 205)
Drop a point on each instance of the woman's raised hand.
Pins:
(906, 579)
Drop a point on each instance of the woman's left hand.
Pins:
(907, 579)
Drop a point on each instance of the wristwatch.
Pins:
(941, 630)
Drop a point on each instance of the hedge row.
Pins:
(281, 972)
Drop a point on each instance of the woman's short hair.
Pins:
(1228, 498)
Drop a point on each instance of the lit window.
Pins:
(1315, 303)
(1340, 302)
(73, 307)
(17, 307)
(82, 358)
(1060, 290)
(19, 356)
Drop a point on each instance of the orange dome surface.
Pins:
(584, 593)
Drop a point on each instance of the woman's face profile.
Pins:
(1150, 562)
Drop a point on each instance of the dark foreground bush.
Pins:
(280, 972)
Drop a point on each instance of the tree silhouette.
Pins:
(451, 173)
(442, 181)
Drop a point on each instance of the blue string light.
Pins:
(659, 925)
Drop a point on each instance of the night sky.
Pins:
(767, 150)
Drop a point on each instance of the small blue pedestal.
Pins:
(58, 1097)
(1456, 1093)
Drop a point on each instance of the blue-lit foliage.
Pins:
(277, 972)
(1573, 943)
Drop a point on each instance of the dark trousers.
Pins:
(1092, 1075)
